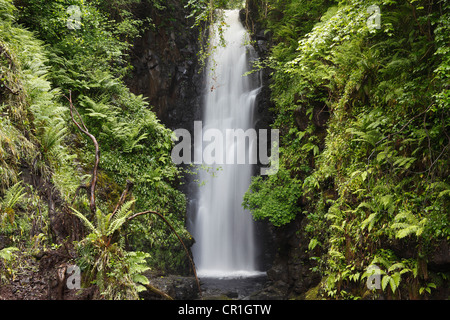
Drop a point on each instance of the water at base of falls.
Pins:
(242, 288)
(230, 274)
(224, 232)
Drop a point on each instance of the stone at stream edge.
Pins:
(178, 287)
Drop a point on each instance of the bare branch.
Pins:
(157, 291)
(84, 129)
(170, 226)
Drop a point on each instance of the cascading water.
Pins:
(224, 232)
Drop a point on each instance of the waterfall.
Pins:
(224, 232)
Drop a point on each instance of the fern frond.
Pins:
(53, 136)
(120, 217)
(85, 220)
(6, 253)
(13, 195)
(406, 223)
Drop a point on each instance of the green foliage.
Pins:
(38, 68)
(377, 171)
(282, 193)
(116, 272)
(12, 196)
(6, 257)
(13, 147)
(34, 120)
(7, 253)
(91, 62)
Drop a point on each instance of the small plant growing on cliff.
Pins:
(6, 257)
(116, 272)
(7, 204)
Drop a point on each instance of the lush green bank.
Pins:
(49, 54)
(364, 116)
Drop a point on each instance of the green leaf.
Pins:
(385, 281)
(139, 278)
(86, 222)
(369, 221)
(6, 253)
(313, 243)
(395, 281)
(395, 266)
(364, 176)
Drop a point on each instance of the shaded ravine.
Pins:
(226, 246)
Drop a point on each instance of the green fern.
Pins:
(105, 225)
(7, 253)
(138, 265)
(120, 217)
(117, 273)
(12, 196)
(406, 223)
(85, 221)
(53, 136)
(6, 258)
(98, 110)
(14, 147)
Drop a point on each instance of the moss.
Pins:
(313, 293)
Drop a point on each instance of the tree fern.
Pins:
(117, 273)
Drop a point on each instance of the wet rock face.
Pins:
(291, 269)
(166, 70)
(440, 259)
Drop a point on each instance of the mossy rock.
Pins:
(313, 293)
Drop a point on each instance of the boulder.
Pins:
(177, 287)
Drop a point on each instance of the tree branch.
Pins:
(82, 127)
(157, 291)
(122, 198)
(11, 90)
(170, 226)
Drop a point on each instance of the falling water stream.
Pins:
(225, 245)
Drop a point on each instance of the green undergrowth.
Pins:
(364, 147)
(48, 52)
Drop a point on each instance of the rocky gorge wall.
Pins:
(166, 68)
(167, 72)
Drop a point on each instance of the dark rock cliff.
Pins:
(166, 70)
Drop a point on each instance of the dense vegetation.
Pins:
(49, 53)
(364, 116)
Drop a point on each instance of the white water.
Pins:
(224, 232)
